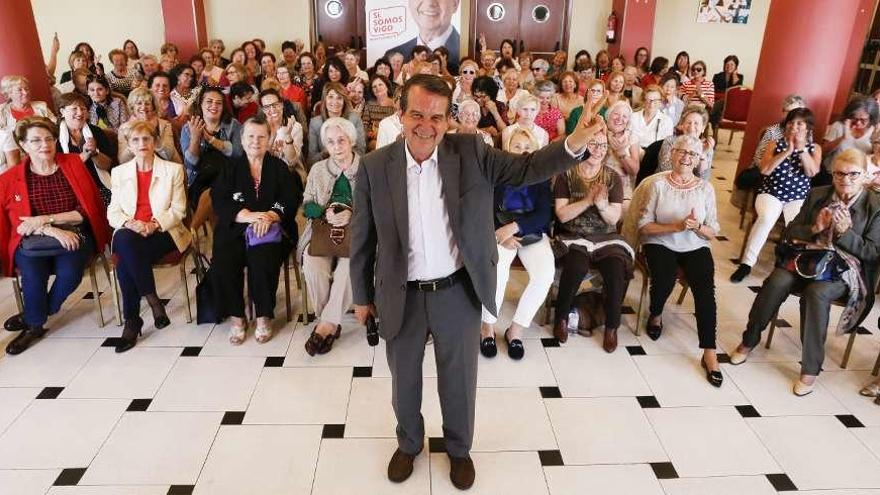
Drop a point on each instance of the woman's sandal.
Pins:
(237, 334)
(872, 390)
(515, 348)
(263, 334)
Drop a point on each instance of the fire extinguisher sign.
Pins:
(387, 22)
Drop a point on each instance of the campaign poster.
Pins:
(399, 25)
(724, 11)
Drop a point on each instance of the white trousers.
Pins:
(768, 208)
(329, 289)
(538, 261)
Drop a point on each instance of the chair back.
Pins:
(640, 196)
(736, 104)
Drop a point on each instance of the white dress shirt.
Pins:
(433, 250)
(647, 133)
(389, 130)
(436, 42)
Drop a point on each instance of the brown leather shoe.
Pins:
(609, 343)
(560, 330)
(461, 472)
(401, 466)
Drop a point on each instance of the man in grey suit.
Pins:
(423, 257)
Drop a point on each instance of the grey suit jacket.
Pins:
(469, 170)
(862, 240)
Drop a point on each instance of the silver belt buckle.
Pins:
(428, 286)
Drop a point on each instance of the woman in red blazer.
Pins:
(50, 195)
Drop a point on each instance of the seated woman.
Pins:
(698, 90)
(549, 117)
(649, 124)
(623, 155)
(468, 119)
(329, 195)
(671, 105)
(786, 169)
(256, 199)
(147, 211)
(588, 205)
(567, 99)
(334, 103)
(854, 129)
(522, 223)
(107, 110)
(76, 135)
(491, 112)
(142, 106)
(616, 84)
(510, 90)
(285, 133)
(160, 85)
(53, 222)
(185, 92)
(122, 78)
(379, 107)
(676, 225)
(694, 122)
(595, 98)
(845, 217)
(526, 108)
(19, 105)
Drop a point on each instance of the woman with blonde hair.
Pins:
(142, 106)
(526, 108)
(18, 106)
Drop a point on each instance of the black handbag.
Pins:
(809, 263)
(749, 178)
(504, 217)
(206, 300)
(45, 246)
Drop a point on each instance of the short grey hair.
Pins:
(793, 101)
(686, 141)
(545, 86)
(344, 125)
(468, 104)
(619, 105)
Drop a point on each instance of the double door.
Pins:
(340, 25)
(539, 26)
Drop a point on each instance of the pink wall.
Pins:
(635, 26)
(185, 25)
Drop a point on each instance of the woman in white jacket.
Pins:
(147, 208)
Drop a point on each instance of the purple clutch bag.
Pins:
(273, 235)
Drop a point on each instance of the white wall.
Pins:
(587, 27)
(236, 21)
(676, 29)
(105, 25)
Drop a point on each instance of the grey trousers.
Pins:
(815, 304)
(453, 317)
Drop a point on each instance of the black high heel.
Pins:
(654, 331)
(715, 378)
(130, 334)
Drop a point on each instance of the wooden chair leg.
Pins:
(117, 299)
(684, 291)
(304, 296)
(876, 366)
(772, 330)
(730, 138)
(16, 286)
(848, 351)
(185, 285)
(97, 295)
(642, 296)
(286, 269)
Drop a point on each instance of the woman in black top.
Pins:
(256, 199)
(77, 135)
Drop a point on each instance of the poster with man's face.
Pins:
(399, 25)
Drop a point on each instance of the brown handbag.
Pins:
(328, 240)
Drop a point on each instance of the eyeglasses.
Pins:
(860, 120)
(697, 69)
(693, 155)
(273, 106)
(597, 91)
(652, 100)
(846, 175)
(468, 72)
(38, 141)
(535, 69)
(597, 145)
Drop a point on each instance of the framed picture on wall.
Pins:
(723, 11)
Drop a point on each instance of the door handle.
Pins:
(351, 45)
(557, 47)
(361, 42)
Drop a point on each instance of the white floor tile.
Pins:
(510, 473)
(730, 485)
(767, 386)
(370, 413)
(59, 433)
(146, 448)
(533, 370)
(380, 362)
(218, 342)
(300, 396)
(12, 402)
(590, 372)
(603, 431)
(679, 334)
(351, 349)
(27, 482)
(29, 369)
(845, 386)
(264, 459)
(136, 374)
(678, 380)
(870, 437)
(714, 441)
(624, 479)
(108, 490)
(208, 383)
(365, 464)
(797, 442)
(510, 419)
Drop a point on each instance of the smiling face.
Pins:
(617, 119)
(75, 115)
(670, 88)
(217, 48)
(595, 92)
(616, 84)
(282, 74)
(306, 66)
(267, 65)
(488, 60)
(337, 143)
(39, 144)
(273, 108)
(860, 120)
(120, 63)
(356, 93)
(598, 147)
(143, 109)
(433, 16)
(351, 62)
(185, 79)
(20, 94)
(510, 80)
(334, 103)
(212, 106)
(685, 159)
(424, 121)
(379, 88)
(97, 92)
(468, 72)
(568, 84)
(334, 74)
(469, 117)
(255, 140)
(692, 125)
(233, 75)
(130, 49)
(250, 51)
(161, 88)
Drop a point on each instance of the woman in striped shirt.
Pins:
(698, 90)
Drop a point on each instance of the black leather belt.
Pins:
(437, 283)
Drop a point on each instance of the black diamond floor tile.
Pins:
(181, 490)
(550, 458)
(782, 323)
(781, 482)
(111, 342)
(648, 401)
(191, 351)
(437, 445)
(274, 362)
(362, 372)
(50, 393)
(69, 477)
(231, 418)
(333, 431)
(863, 331)
(850, 421)
(550, 392)
(755, 288)
(90, 295)
(636, 350)
(723, 358)
(549, 342)
(664, 470)
(139, 405)
(748, 411)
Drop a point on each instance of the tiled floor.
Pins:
(184, 412)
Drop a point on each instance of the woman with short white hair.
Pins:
(19, 105)
(623, 148)
(468, 119)
(329, 197)
(526, 107)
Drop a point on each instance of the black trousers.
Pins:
(263, 263)
(575, 266)
(136, 255)
(699, 271)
